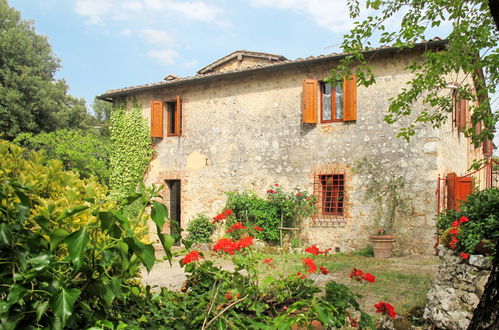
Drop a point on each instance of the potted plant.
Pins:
(384, 190)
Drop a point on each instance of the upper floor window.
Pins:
(173, 117)
(337, 103)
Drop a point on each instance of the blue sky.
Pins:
(108, 44)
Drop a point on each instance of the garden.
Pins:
(72, 258)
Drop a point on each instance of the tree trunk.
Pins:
(486, 314)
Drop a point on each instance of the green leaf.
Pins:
(43, 222)
(62, 304)
(41, 307)
(143, 251)
(5, 235)
(107, 220)
(40, 262)
(56, 237)
(77, 244)
(159, 213)
(71, 212)
(16, 292)
(22, 212)
(130, 198)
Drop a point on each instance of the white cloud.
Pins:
(164, 56)
(126, 32)
(98, 11)
(332, 14)
(158, 37)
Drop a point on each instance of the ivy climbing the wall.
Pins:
(131, 150)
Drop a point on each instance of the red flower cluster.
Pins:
(311, 265)
(298, 194)
(300, 275)
(222, 216)
(385, 308)
(464, 255)
(269, 262)
(192, 256)
(454, 232)
(258, 228)
(231, 246)
(359, 275)
(324, 270)
(316, 251)
(271, 191)
(229, 295)
(353, 322)
(236, 226)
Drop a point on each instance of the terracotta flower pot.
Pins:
(382, 245)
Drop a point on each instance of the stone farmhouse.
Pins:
(250, 120)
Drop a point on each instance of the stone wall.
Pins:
(456, 290)
(245, 133)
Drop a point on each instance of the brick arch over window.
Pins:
(332, 185)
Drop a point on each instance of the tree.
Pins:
(31, 100)
(471, 51)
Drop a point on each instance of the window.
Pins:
(337, 103)
(331, 197)
(331, 102)
(173, 118)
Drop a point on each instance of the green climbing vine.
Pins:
(131, 149)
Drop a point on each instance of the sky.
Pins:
(110, 44)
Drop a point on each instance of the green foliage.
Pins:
(130, 152)
(200, 229)
(344, 301)
(385, 191)
(290, 208)
(481, 210)
(68, 253)
(83, 152)
(471, 51)
(31, 100)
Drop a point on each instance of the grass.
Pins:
(401, 281)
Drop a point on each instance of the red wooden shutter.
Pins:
(451, 190)
(487, 147)
(157, 119)
(464, 188)
(309, 102)
(350, 98)
(462, 114)
(178, 117)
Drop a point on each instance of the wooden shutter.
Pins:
(157, 119)
(350, 98)
(450, 181)
(462, 114)
(464, 188)
(309, 102)
(178, 117)
(487, 147)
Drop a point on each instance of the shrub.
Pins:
(480, 209)
(68, 252)
(200, 229)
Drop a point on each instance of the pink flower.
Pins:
(192, 256)
(385, 308)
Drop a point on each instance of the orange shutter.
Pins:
(451, 181)
(350, 98)
(157, 119)
(309, 102)
(178, 117)
(462, 114)
(464, 188)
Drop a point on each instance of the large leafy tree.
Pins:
(471, 52)
(31, 100)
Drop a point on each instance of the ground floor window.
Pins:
(331, 196)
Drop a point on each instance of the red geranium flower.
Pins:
(311, 265)
(300, 275)
(455, 224)
(228, 295)
(385, 308)
(368, 277)
(324, 270)
(353, 322)
(269, 262)
(276, 185)
(236, 226)
(228, 212)
(225, 245)
(192, 256)
(298, 194)
(271, 191)
(464, 255)
(355, 274)
(454, 231)
(218, 217)
(313, 249)
(258, 228)
(463, 219)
